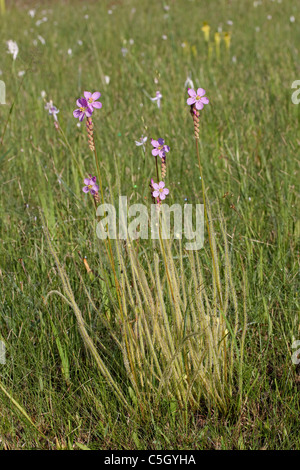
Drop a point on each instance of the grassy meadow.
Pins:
(142, 344)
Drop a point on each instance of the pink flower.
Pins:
(157, 97)
(84, 109)
(159, 190)
(90, 185)
(160, 148)
(197, 98)
(92, 98)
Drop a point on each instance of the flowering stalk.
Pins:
(197, 101)
(86, 108)
(89, 128)
(163, 168)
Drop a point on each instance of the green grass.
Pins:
(52, 392)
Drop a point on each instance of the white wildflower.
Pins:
(41, 39)
(157, 98)
(141, 142)
(12, 48)
(189, 83)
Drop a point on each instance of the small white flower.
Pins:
(31, 13)
(166, 7)
(110, 12)
(12, 48)
(220, 29)
(234, 59)
(79, 42)
(189, 83)
(142, 142)
(41, 39)
(43, 94)
(52, 109)
(107, 79)
(86, 17)
(21, 73)
(230, 22)
(292, 19)
(70, 51)
(257, 29)
(78, 124)
(164, 37)
(131, 42)
(157, 98)
(38, 23)
(124, 51)
(269, 17)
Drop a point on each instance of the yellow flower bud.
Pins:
(206, 29)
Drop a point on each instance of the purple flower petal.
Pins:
(166, 191)
(201, 92)
(87, 181)
(155, 193)
(192, 92)
(85, 189)
(191, 101)
(155, 186)
(87, 95)
(205, 100)
(96, 95)
(97, 105)
(76, 113)
(154, 143)
(162, 196)
(199, 105)
(82, 103)
(155, 152)
(161, 184)
(161, 141)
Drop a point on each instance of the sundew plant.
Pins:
(173, 335)
(149, 225)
